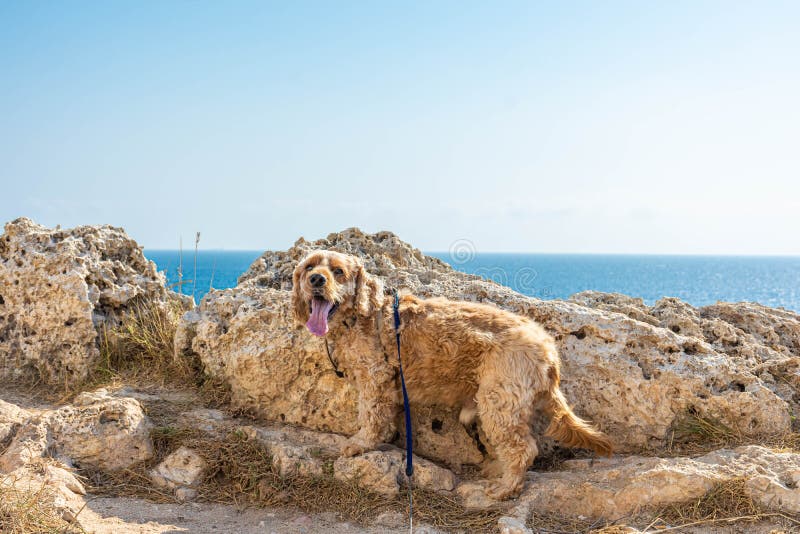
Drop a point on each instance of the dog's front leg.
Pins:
(377, 407)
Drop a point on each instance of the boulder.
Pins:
(765, 342)
(619, 487)
(98, 431)
(635, 371)
(58, 288)
(43, 445)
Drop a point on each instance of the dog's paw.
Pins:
(502, 489)
(352, 448)
(491, 468)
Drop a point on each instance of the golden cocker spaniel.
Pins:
(488, 362)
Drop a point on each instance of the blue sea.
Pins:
(698, 280)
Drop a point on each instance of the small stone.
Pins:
(512, 525)
(182, 468)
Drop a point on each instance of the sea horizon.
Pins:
(441, 253)
(698, 279)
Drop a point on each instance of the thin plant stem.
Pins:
(180, 264)
(213, 270)
(194, 278)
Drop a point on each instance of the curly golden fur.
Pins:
(487, 361)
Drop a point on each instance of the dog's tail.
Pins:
(571, 430)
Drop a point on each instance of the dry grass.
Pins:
(25, 512)
(139, 350)
(692, 433)
(551, 523)
(240, 473)
(724, 504)
(724, 500)
(142, 344)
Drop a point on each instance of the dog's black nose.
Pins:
(317, 280)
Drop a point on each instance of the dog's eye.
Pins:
(309, 267)
(338, 272)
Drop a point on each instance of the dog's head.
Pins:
(328, 285)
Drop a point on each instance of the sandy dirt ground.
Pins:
(107, 515)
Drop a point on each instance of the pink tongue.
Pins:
(318, 321)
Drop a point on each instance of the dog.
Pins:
(490, 363)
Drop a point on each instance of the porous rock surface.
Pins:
(41, 448)
(58, 287)
(618, 487)
(635, 371)
(384, 471)
(181, 471)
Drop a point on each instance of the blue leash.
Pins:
(406, 407)
(407, 410)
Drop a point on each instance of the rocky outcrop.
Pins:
(246, 337)
(98, 431)
(619, 487)
(635, 371)
(762, 341)
(58, 287)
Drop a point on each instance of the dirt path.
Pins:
(117, 515)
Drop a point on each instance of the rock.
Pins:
(512, 525)
(98, 431)
(613, 488)
(28, 444)
(62, 477)
(11, 416)
(473, 495)
(102, 432)
(109, 434)
(47, 484)
(26, 469)
(373, 470)
(246, 337)
(625, 366)
(745, 333)
(289, 458)
(58, 288)
(775, 328)
(440, 436)
(181, 471)
(384, 472)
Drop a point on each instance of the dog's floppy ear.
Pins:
(299, 304)
(369, 292)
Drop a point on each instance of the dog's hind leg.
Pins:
(505, 399)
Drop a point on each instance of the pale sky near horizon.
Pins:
(598, 127)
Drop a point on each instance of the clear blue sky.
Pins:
(635, 127)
